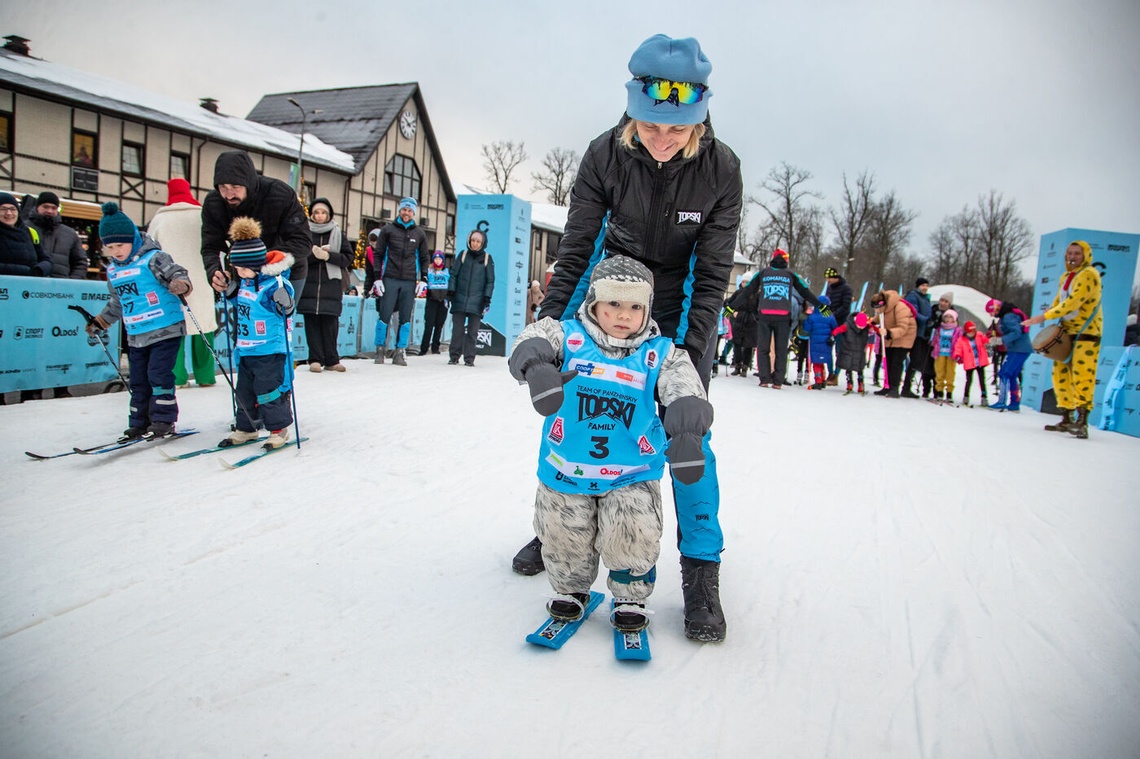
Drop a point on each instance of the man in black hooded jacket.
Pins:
(240, 191)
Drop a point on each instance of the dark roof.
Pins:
(352, 119)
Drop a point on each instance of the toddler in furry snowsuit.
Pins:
(604, 447)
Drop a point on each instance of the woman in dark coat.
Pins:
(320, 301)
(20, 253)
(470, 289)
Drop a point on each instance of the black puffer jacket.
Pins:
(472, 282)
(678, 218)
(272, 202)
(400, 253)
(19, 255)
(61, 244)
(841, 297)
(322, 293)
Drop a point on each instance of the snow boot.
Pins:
(528, 561)
(985, 401)
(379, 356)
(700, 584)
(159, 429)
(862, 390)
(629, 616)
(1080, 426)
(833, 380)
(131, 433)
(850, 389)
(908, 393)
(277, 438)
(315, 367)
(398, 358)
(1063, 425)
(568, 607)
(237, 437)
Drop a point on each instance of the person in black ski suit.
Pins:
(773, 288)
(661, 189)
(469, 290)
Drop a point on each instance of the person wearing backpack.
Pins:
(1018, 346)
(469, 291)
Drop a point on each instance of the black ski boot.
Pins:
(131, 433)
(629, 616)
(700, 584)
(528, 561)
(569, 607)
(159, 429)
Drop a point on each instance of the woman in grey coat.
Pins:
(469, 291)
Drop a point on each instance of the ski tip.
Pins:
(35, 456)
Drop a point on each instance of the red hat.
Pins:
(178, 191)
(969, 326)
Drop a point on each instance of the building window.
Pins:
(5, 133)
(132, 159)
(83, 151)
(179, 165)
(402, 178)
(308, 193)
(449, 228)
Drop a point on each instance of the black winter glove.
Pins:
(825, 310)
(486, 303)
(686, 422)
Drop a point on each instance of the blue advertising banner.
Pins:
(43, 343)
(506, 221)
(1119, 373)
(1114, 255)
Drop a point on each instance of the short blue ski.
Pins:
(631, 646)
(132, 442)
(553, 633)
(262, 452)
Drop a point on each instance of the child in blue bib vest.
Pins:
(145, 285)
(262, 300)
(604, 447)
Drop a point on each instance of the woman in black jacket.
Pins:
(469, 290)
(20, 253)
(320, 301)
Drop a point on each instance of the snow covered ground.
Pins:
(900, 579)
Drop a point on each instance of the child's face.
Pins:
(620, 318)
(246, 273)
(120, 251)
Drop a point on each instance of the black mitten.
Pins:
(686, 422)
(545, 383)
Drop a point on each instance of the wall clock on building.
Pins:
(408, 124)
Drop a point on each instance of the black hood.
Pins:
(236, 167)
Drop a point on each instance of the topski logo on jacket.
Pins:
(688, 217)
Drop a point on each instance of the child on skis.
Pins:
(603, 447)
(970, 351)
(942, 344)
(145, 285)
(852, 349)
(819, 329)
(263, 301)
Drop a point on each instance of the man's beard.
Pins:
(47, 222)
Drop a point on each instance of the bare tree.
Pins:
(789, 205)
(1004, 241)
(853, 217)
(560, 167)
(757, 245)
(888, 234)
(500, 159)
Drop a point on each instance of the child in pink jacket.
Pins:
(970, 351)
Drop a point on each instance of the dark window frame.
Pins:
(141, 149)
(402, 177)
(186, 162)
(8, 132)
(93, 155)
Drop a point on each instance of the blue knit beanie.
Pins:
(408, 203)
(679, 60)
(116, 226)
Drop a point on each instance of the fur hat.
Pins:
(247, 249)
(620, 278)
(951, 313)
(116, 226)
(660, 62)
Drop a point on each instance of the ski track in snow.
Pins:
(900, 579)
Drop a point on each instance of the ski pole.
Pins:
(102, 337)
(230, 326)
(218, 361)
(292, 374)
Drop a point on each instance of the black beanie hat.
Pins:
(47, 196)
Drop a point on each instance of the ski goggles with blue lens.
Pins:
(668, 91)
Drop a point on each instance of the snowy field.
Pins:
(900, 580)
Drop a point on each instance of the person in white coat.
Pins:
(177, 228)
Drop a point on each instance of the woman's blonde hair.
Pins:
(629, 132)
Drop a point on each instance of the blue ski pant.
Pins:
(260, 383)
(152, 383)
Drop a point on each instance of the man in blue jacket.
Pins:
(920, 352)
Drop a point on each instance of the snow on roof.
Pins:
(99, 93)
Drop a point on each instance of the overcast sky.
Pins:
(1037, 99)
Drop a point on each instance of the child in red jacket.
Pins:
(970, 351)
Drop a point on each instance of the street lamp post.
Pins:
(301, 150)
